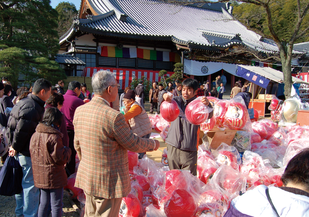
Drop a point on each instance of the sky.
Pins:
(54, 3)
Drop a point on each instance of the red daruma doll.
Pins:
(197, 112)
(169, 110)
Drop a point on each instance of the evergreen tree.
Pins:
(28, 41)
(66, 13)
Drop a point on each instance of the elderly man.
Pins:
(102, 139)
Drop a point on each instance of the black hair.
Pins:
(4, 78)
(297, 170)
(52, 116)
(53, 88)
(73, 85)
(41, 84)
(155, 82)
(83, 85)
(161, 84)
(54, 99)
(22, 90)
(191, 83)
(60, 82)
(7, 89)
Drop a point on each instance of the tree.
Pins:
(28, 41)
(178, 72)
(66, 13)
(284, 21)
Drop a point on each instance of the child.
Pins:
(136, 117)
(183, 137)
(48, 157)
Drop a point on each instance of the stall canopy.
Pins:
(196, 68)
(261, 76)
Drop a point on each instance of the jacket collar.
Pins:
(37, 99)
(186, 102)
(71, 93)
(43, 128)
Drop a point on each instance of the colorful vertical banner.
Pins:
(110, 51)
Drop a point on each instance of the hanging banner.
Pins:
(196, 68)
(253, 77)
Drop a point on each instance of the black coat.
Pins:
(24, 118)
(5, 102)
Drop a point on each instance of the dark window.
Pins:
(144, 64)
(89, 59)
(125, 62)
(107, 61)
(163, 65)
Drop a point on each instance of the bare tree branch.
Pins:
(302, 33)
(299, 22)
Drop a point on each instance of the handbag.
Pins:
(11, 176)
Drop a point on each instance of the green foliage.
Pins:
(147, 85)
(178, 72)
(66, 13)
(284, 18)
(29, 41)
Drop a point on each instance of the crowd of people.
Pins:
(47, 127)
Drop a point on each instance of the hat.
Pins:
(129, 95)
(1, 86)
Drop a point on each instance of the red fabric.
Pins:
(140, 53)
(200, 92)
(104, 52)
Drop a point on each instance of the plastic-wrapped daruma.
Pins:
(130, 206)
(196, 112)
(169, 111)
(219, 112)
(208, 124)
(236, 116)
(181, 203)
(133, 159)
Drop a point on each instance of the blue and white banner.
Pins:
(253, 77)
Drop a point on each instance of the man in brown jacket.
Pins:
(102, 138)
(153, 97)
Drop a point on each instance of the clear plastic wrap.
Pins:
(228, 180)
(161, 124)
(196, 112)
(130, 206)
(206, 166)
(255, 138)
(180, 203)
(265, 128)
(164, 132)
(236, 116)
(295, 147)
(208, 125)
(220, 109)
(133, 159)
(169, 110)
(152, 211)
(227, 155)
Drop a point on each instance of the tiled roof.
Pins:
(302, 47)
(183, 24)
(68, 59)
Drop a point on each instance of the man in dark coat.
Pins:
(24, 118)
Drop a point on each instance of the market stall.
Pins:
(266, 82)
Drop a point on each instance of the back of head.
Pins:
(7, 89)
(73, 84)
(83, 85)
(244, 89)
(41, 84)
(297, 170)
(60, 82)
(52, 116)
(191, 83)
(54, 99)
(130, 94)
(101, 81)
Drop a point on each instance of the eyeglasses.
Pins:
(113, 85)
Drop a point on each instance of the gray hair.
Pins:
(102, 80)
